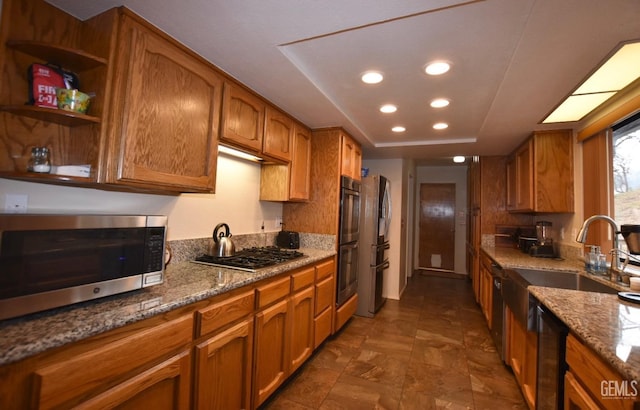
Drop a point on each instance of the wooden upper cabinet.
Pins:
(166, 103)
(289, 182)
(300, 185)
(278, 134)
(243, 116)
(351, 158)
(540, 174)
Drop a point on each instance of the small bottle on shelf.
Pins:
(39, 161)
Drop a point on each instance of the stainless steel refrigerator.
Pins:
(375, 219)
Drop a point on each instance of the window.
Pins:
(626, 171)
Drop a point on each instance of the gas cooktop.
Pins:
(251, 259)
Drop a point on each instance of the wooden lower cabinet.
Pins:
(591, 383)
(271, 345)
(231, 351)
(165, 386)
(302, 327)
(522, 356)
(223, 366)
(575, 396)
(123, 372)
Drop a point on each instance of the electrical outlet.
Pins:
(278, 223)
(17, 204)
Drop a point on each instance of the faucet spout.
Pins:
(616, 269)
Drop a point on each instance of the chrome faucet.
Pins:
(616, 270)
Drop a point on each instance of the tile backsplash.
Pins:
(188, 249)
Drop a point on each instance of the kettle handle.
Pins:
(215, 231)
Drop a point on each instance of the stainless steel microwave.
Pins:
(48, 261)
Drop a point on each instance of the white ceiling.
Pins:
(512, 61)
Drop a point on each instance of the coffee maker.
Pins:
(544, 243)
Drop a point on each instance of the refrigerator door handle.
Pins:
(384, 245)
(383, 265)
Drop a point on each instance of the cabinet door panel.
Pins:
(165, 386)
(575, 397)
(242, 118)
(324, 294)
(300, 181)
(271, 336)
(278, 134)
(65, 382)
(302, 312)
(170, 109)
(322, 326)
(223, 369)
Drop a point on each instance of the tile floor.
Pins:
(430, 350)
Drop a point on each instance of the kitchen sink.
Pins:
(563, 280)
(523, 305)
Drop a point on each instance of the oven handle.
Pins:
(384, 265)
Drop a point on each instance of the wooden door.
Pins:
(167, 106)
(223, 369)
(437, 226)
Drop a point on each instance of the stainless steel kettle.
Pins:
(223, 245)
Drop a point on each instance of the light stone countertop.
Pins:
(514, 258)
(607, 324)
(185, 283)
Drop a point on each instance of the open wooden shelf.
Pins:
(63, 56)
(62, 117)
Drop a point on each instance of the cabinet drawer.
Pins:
(324, 294)
(325, 269)
(223, 313)
(95, 370)
(322, 326)
(272, 292)
(302, 279)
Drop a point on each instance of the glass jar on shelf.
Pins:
(39, 161)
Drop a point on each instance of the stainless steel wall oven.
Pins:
(48, 261)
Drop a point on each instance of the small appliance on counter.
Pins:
(54, 260)
(288, 240)
(222, 243)
(544, 243)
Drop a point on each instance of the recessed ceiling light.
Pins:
(437, 68)
(440, 126)
(388, 108)
(458, 159)
(439, 103)
(372, 77)
(398, 128)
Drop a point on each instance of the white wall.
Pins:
(392, 170)
(451, 175)
(235, 202)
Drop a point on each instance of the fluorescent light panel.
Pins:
(238, 154)
(616, 73)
